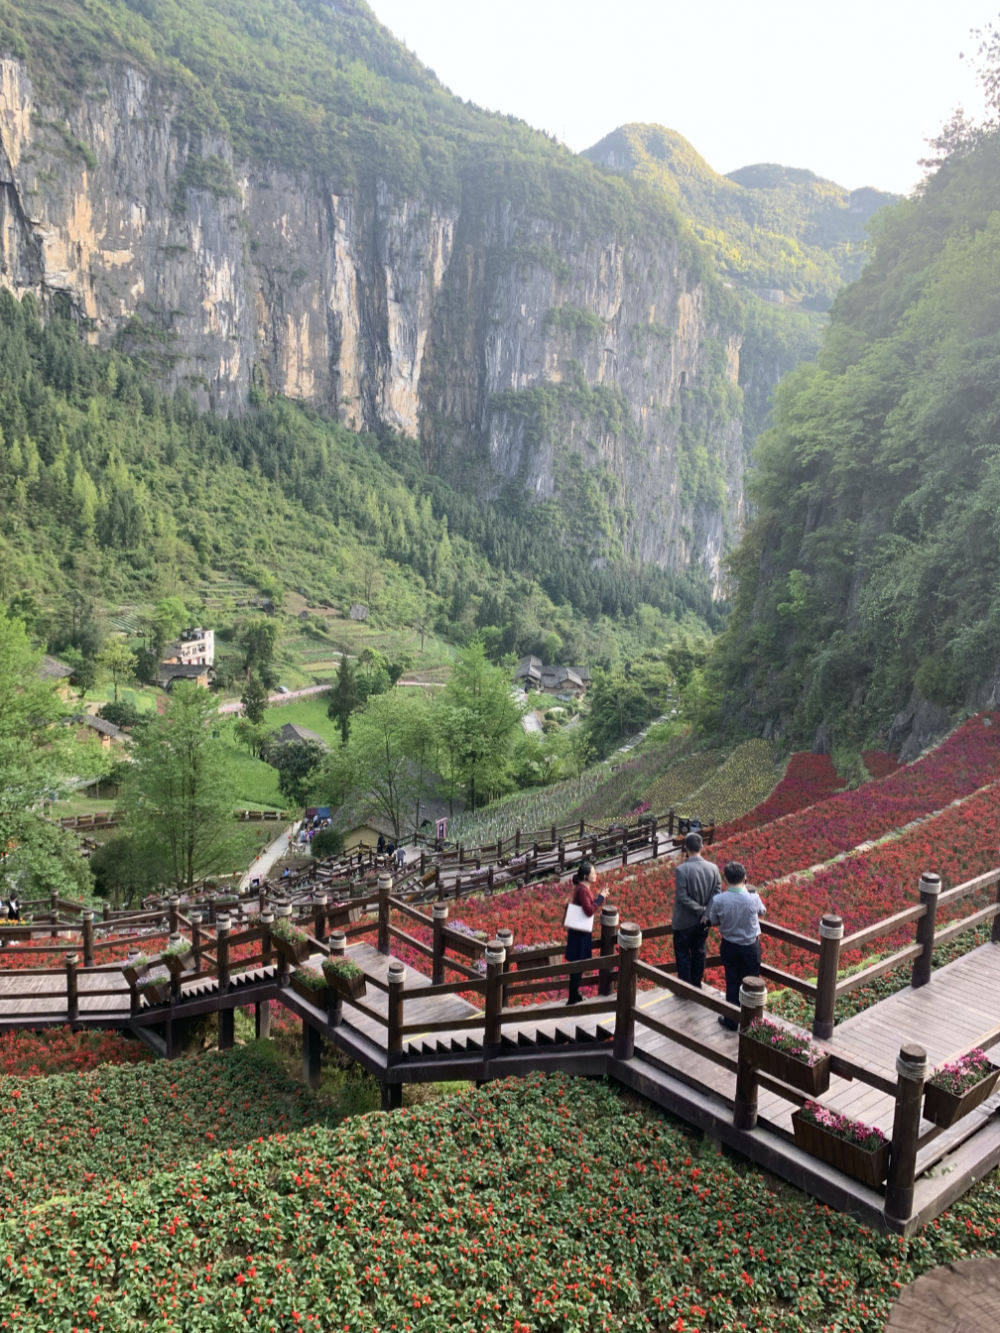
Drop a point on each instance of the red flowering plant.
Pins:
(959, 1075)
(868, 1137)
(780, 1038)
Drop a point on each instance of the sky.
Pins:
(852, 91)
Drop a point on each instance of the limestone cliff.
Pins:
(592, 366)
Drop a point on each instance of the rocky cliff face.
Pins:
(516, 347)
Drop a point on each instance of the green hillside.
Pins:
(113, 495)
(774, 228)
(869, 581)
(317, 87)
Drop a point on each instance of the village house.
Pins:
(531, 674)
(191, 657)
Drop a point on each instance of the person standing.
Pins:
(697, 882)
(737, 913)
(580, 943)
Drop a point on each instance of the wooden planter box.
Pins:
(867, 1165)
(291, 951)
(157, 992)
(351, 988)
(315, 995)
(814, 1079)
(943, 1108)
(176, 963)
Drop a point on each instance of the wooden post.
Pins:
(506, 937)
(227, 1022)
(397, 978)
(625, 849)
(517, 841)
(439, 913)
(133, 1006)
(195, 919)
(172, 909)
(312, 1048)
(583, 829)
(266, 922)
(87, 919)
(423, 862)
(930, 891)
(437, 878)
(72, 991)
(552, 834)
(911, 1066)
(562, 855)
(831, 932)
(609, 930)
(753, 998)
(384, 890)
(629, 943)
(175, 982)
(995, 933)
(489, 879)
(334, 1000)
(320, 901)
(670, 823)
(495, 956)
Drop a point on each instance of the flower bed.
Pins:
(967, 760)
(808, 778)
(61, 1050)
(533, 1206)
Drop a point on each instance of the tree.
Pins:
(176, 799)
(35, 755)
(119, 662)
(343, 698)
(257, 640)
(299, 764)
(254, 700)
(372, 675)
(164, 622)
(253, 735)
(124, 715)
(479, 720)
(381, 760)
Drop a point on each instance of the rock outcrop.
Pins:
(557, 353)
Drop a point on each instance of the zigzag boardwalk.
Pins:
(645, 1029)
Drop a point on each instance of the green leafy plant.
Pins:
(780, 1038)
(843, 1127)
(959, 1075)
(310, 977)
(284, 930)
(341, 968)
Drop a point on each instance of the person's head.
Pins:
(693, 844)
(735, 872)
(585, 872)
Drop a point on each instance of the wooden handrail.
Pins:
(884, 927)
(857, 979)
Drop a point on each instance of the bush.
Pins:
(120, 714)
(328, 842)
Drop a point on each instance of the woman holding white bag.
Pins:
(579, 922)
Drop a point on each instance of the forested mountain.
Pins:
(778, 230)
(869, 583)
(112, 492)
(273, 197)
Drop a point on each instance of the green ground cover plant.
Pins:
(532, 1206)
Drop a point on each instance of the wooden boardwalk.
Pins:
(686, 1064)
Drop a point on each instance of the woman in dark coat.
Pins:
(580, 943)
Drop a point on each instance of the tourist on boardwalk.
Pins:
(580, 942)
(736, 913)
(697, 882)
(401, 857)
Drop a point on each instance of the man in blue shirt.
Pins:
(736, 912)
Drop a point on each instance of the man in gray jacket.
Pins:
(697, 881)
